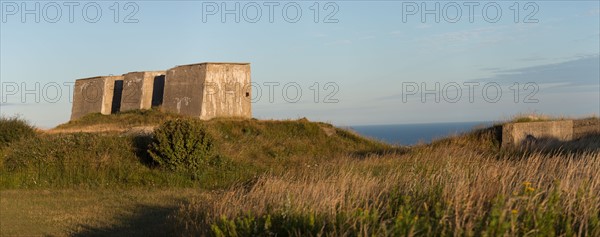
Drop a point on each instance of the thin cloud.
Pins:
(491, 69)
(584, 70)
(319, 35)
(340, 42)
(396, 33)
(593, 12)
(532, 59)
(576, 75)
(423, 26)
(466, 39)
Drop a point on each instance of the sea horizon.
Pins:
(416, 133)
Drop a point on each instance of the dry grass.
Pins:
(103, 128)
(447, 191)
(539, 117)
(89, 212)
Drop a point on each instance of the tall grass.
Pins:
(444, 191)
(13, 129)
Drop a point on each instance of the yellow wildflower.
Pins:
(529, 189)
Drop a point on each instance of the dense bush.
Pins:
(65, 149)
(13, 129)
(102, 160)
(182, 145)
(78, 160)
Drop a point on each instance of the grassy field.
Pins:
(295, 178)
(90, 212)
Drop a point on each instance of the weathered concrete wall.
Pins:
(209, 90)
(204, 90)
(564, 130)
(516, 133)
(139, 89)
(227, 91)
(184, 86)
(584, 127)
(94, 95)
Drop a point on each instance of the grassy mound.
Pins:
(245, 148)
(120, 120)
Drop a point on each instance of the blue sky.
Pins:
(362, 59)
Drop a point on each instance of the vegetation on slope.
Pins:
(14, 129)
(120, 120)
(303, 178)
(245, 149)
(423, 195)
(461, 185)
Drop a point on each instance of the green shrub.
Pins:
(77, 160)
(182, 145)
(66, 149)
(14, 129)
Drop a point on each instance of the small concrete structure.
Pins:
(203, 90)
(515, 134)
(96, 95)
(209, 90)
(585, 127)
(142, 90)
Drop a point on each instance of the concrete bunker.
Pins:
(142, 90)
(209, 90)
(516, 134)
(203, 90)
(96, 95)
(585, 127)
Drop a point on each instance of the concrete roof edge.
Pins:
(194, 64)
(96, 77)
(157, 71)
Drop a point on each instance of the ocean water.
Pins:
(411, 134)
